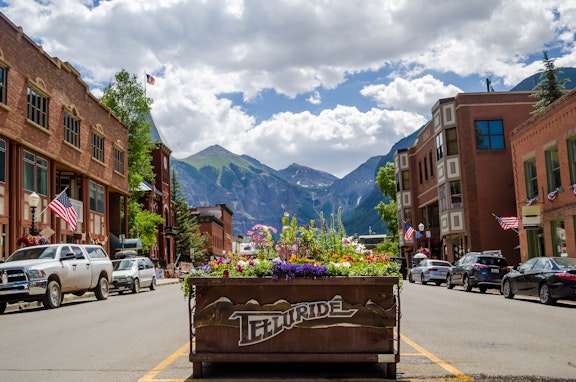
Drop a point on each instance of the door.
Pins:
(79, 272)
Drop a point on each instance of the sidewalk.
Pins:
(71, 297)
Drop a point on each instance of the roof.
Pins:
(156, 133)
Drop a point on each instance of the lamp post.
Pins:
(33, 200)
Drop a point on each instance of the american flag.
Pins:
(151, 80)
(507, 222)
(408, 232)
(62, 206)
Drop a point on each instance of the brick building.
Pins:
(216, 221)
(459, 175)
(544, 156)
(55, 136)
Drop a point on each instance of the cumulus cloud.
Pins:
(301, 59)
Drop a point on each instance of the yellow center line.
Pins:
(451, 369)
(164, 364)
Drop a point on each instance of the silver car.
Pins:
(132, 273)
(429, 271)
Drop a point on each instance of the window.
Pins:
(3, 72)
(451, 141)
(558, 238)
(71, 129)
(35, 173)
(405, 180)
(97, 147)
(37, 108)
(531, 179)
(398, 182)
(2, 161)
(442, 197)
(455, 194)
(553, 169)
(96, 197)
(431, 165)
(425, 168)
(572, 159)
(439, 147)
(118, 160)
(489, 134)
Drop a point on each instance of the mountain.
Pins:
(258, 194)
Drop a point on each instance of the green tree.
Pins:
(388, 211)
(127, 100)
(188, 237)
(549, 89)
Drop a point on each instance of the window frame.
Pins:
(490, 136)
(39, 176)
(71, 128)
(97, 146)
(37, 106)
(553, 175)
(530, 179)
(97, 197)
(3, 83)
(119, 160)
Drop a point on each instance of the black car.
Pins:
(478, 269)
(548, 278)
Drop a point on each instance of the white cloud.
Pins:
(198, 50)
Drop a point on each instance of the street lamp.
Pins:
(33, 200)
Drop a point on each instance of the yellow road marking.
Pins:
(458, 375)
(164, 364)
(451, 369)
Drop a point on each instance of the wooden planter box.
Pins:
(332, 319)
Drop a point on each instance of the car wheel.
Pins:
(153, 283)
(136, 286)
(102, 289)
(3, 307)
(422, 280)
(544, 295)
(449, 284)
(410, 278)
(507, 289)
(466, 284)
(438, 283)
(53, 296)
(483, 289)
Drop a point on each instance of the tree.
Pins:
(549, 89)
(388, 211)
(188, 237)
(127, 100)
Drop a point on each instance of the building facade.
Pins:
(216, 222)
(544, 156)
(458, 176)
(55, 136)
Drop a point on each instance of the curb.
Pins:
(71, 297)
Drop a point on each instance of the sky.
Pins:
(325, 84)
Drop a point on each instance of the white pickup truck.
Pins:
(46, 272)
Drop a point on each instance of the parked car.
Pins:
(548, 278)
(133, 273)
(478, 269)
(403, 265)
(429, 271)
(47, 272)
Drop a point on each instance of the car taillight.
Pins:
(566, 276)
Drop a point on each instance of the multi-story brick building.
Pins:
(544, 157)
(216, 222)
(55, 136)
(458, 176)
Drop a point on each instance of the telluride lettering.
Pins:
(256, 327)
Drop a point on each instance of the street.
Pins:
(447, 334)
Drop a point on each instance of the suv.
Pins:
(478, 269)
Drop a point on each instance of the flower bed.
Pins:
(301, 251)
(313, 295)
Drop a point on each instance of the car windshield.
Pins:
(566, 262)
(440, 263)
(33, 253)
(122, 265)
(498, 261)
